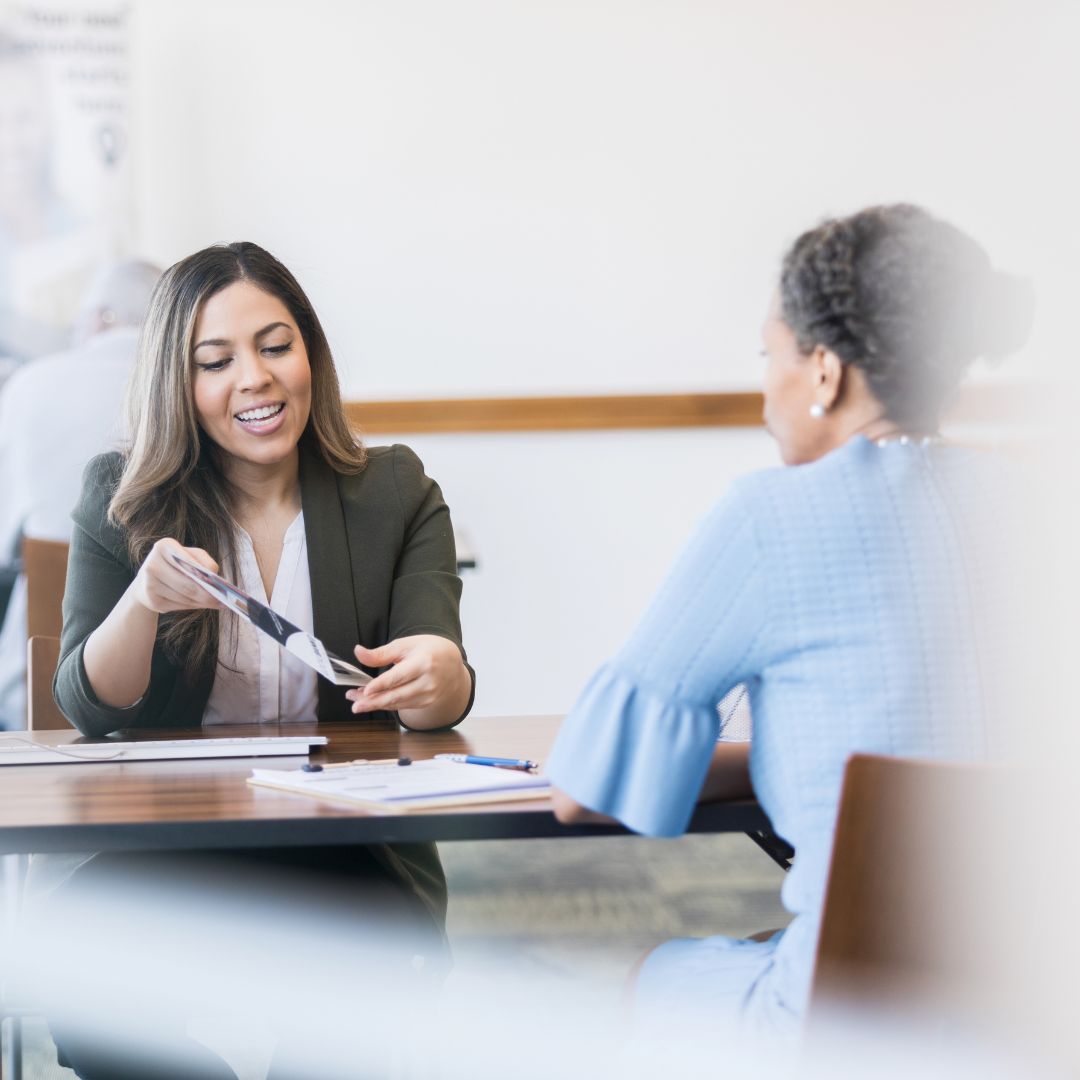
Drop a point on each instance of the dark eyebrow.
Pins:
(212, 341)
(272, 326)
(258, 334)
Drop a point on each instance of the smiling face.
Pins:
(252, 380)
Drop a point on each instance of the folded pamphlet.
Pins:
(291, 638)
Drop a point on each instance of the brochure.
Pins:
(302, 645)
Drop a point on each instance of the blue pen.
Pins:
(504, 762)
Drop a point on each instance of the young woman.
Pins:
(241, 454)
(856, 593)
(242, 458)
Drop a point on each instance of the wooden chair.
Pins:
(902, 926)
(45, 564)
(45, 567)
(42, 656)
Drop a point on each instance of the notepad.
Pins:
(400, 788)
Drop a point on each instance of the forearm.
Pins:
(117, 654)
(729, 773)
(728, 778)
(570, 812)
(444, 712)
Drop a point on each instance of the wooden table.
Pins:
(175, 805)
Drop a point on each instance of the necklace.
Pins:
(908, 440)
(893, 434)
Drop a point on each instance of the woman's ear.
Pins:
(827, 371)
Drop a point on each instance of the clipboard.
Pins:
(391, 788)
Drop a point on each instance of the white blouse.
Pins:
(256, 680)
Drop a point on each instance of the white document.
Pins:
(58, 748)
(393, 787)
(307, 648)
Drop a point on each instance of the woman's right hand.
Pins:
(119, 653)
(161, 586)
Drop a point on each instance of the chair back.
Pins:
(45, 566)
(910, 874)
(42, 714)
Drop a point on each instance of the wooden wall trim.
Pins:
(556, 413)
(987, 404)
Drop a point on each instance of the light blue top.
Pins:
(857, 597)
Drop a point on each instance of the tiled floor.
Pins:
(584, 908)
(592, 906)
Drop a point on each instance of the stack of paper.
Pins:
(389, 786)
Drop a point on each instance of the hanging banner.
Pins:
(64, 174)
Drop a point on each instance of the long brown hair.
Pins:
(172, 484)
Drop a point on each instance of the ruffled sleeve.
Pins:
(634, 755)
(638, 742)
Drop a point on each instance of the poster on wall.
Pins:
(64, 172)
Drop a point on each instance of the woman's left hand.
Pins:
(428, 675)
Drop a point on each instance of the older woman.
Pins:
(855, 592)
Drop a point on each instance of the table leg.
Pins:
(778, 850)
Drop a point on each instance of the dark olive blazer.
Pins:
(382, 563)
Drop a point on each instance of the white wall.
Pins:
(500, 196)
(573, 532)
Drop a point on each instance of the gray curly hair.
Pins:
(906, 297)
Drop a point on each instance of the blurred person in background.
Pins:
(56, 413)
(858, 593)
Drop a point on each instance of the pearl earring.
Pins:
(817, 410)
